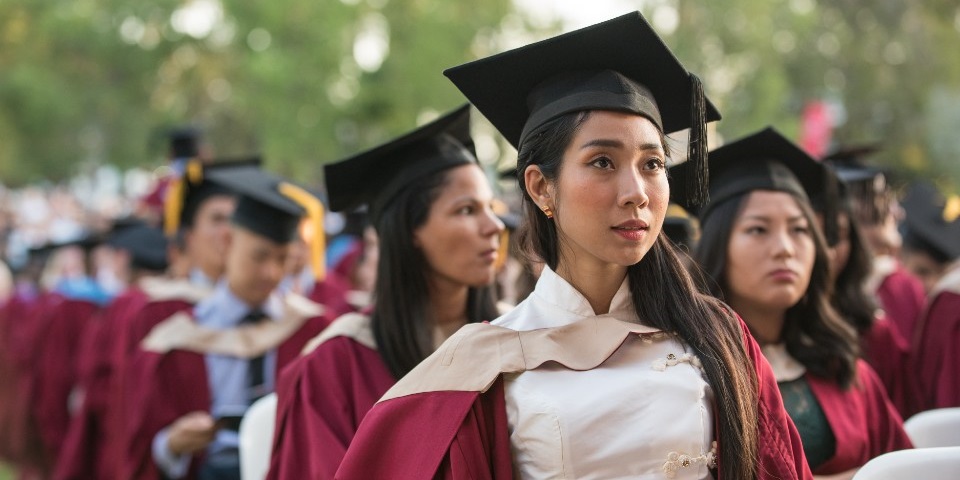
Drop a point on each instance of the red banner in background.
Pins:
(816, 128)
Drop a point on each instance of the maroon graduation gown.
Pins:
(19, 436)
(331, 292)
(91, 450)
(862, 419)
(888, 354)
(464, 434)
(322, 397)
(57, 368)
(165, 387)
(936, 350)
(902, 297)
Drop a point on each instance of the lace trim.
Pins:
(677, 460)
(671, 360)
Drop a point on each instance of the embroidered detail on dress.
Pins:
(677, 460)
(651, 337)
(671, 360)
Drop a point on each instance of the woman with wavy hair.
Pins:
(432, 207)
(616, 365)
(766, 256)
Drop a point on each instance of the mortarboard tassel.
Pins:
(314, 209)
(697, 183)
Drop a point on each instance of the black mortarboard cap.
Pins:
(866, 185)
(927, 225)
(146, 245)
(618, 65)
(184, 142)
(376, 176)
(186, 194)
(765, 160)
(261, 207)
(849, 163)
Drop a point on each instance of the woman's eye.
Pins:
(466, 210)
(602, 162)
(654, 164)
(756, 230)
(801, 230)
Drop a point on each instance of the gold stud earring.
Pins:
(547, 211)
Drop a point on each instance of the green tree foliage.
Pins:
(890, 66)
(95, 81)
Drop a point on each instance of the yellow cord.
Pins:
(314, 209)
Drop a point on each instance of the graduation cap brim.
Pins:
(924, 206)
(261, 208)
(146, 245)
(499, 85)
(371, 176)
(765, 160)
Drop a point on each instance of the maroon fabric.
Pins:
(91, 450)
(451, 434)
(19, 439)
(163, 388)
(936, 354)
(57, 368)
(888, 354)
(322, 397)
(902, 297)
(332, 294)
(863, 420)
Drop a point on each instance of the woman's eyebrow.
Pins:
(611, 143)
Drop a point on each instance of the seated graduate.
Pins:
(881, 344)
(767, 256)
(616, 365)
(432, 207)
(933, 221)
(91, 449)
(873, 209)
(198, 371)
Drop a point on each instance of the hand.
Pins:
(191, 433)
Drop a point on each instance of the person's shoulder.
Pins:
(469, 361)
(351, 327)
(161, 289)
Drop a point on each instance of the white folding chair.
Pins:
(935, 428)
(941, 463)
(256, 438)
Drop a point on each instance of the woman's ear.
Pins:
(538, 187)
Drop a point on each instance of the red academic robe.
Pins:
(163, 387)
(91, 448)
(322, 397)
(888, 354)
(57, 368)
(463, 434)
(902, 297)
(16, 315)
(19, 436)
(936, 350)
(862, 419)
(331, 292)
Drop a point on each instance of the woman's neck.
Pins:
(766, 324)
(448, 308)
(597, 283)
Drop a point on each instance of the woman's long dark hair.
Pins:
(849, 297)
(664, 296)
(401, 321)
(813, 331)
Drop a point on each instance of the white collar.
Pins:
(555, 303)
(785, 367)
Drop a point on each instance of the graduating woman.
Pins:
(432, 206)
(616, 365)
(768, 258)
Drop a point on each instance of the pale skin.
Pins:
(255, 266)
(205, 241)
(459, 240)
(769, 262)
(613, 173)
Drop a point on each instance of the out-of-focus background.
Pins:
(87, 86)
